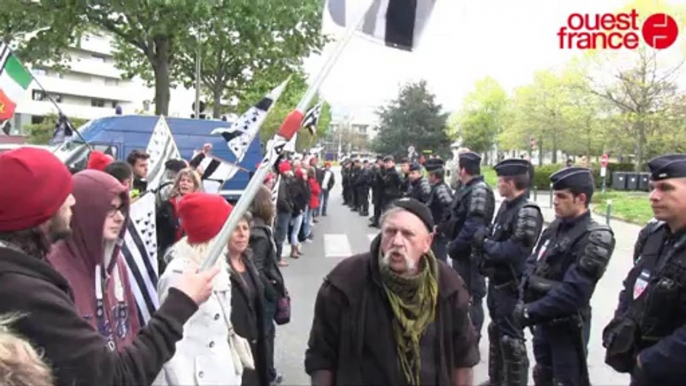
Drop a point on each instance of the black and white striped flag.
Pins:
(161, 148)
(215, 173)
(312, 118)
(140, 254)
(241, 133)
(396, 23)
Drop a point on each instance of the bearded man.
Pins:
(395, 315)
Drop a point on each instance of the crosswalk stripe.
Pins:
(337, 245)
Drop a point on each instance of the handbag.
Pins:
(283, 309)
(240, 347)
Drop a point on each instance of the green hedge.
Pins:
(542, 173)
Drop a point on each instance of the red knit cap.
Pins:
(284, 167)
(203, 215)
(98, 160)
(36, 186)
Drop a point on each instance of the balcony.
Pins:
(94, 67)
(96, 44)
(28, 106)
(88, 90)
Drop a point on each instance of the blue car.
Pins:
(119, 135)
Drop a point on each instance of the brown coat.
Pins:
(352, 297)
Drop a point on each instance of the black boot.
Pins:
(515, 360)
(496, 376)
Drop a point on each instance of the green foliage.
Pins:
(542, 175)
(241, 41)
(41, 133)
(295, 89)
(413, 118)
(632, 207)
(149, 36)
(481, 117)
(40, 31)
(490, 176)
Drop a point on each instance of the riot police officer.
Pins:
(472, 209)
(647, 336)
(515, 232)
(418, 187)
(392, 183)
(440, 201)
(562, 274)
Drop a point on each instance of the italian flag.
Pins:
(14, 80)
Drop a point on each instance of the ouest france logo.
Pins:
(610, 31)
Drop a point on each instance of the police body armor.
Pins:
(461, 207)
(504, 226)
(554, 258)
(655, 309)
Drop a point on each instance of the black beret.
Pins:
(470, 158)
(572, 177)
(667, 166)
(512, 167)
(433, 166)
(388, 158)
(418, 209)
(414, 167)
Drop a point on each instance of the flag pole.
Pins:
(47, 94)
(289, 127)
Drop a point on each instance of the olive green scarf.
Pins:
(413, 300)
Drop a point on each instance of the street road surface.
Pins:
(344, 233)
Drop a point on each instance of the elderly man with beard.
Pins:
(394, 315)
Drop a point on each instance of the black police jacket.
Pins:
(562, 273)
(654, 296)
(515, 232)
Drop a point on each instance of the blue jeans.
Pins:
(323, 201)
(280, 231)
(297, 222)
(307, 221)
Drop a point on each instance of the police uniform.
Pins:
(418, 189)
(392, 184)
(515, 232)
(562, 274)
(440, 201)
(649, 322)
(472, 209)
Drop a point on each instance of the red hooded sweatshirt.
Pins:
(106, 304)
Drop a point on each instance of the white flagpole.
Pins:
(288, 128)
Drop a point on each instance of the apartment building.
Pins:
(92, 88)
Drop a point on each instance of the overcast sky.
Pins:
(466, 40)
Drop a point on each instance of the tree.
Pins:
(242, 41)
(40, 31)
(412, 119)
(149, 36)
(294, 91)
(481, 117)
(639, 84)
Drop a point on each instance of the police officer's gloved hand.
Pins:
(480, 237)
(520, 316)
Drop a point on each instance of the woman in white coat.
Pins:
(210, 352)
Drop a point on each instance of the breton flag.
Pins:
(161, 149)
(396, 23)
(140, 254)
(312, 118)
(215, 172)
(241, 133)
